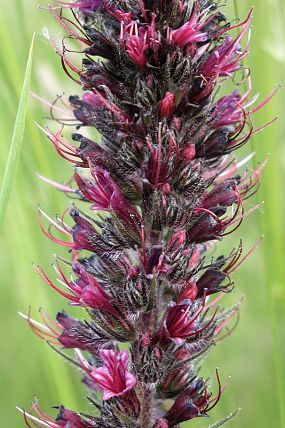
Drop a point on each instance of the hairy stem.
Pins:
(147, 406)
(149, 326)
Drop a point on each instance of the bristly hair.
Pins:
(160, 188)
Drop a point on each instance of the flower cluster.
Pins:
(160, 188)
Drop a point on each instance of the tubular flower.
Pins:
(113, 378)
(188, 34)
(192, 402)
(106, 195)
(76, 334)
(151, 197)
(67, 332)
(83, 291)
(182, 322)
(137, 43)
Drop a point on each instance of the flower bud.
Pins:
(189, 152)
(167, 104)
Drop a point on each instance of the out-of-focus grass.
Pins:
(254, 356)
(17, 139)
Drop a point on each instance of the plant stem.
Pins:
(149, 325)
(147, 408)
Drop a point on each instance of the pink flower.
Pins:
(167, 104)
(92, 99)
(190, 403)
(222, 195)
(189, 33)
(106, 195)
(69, 419)
(180, 322)
(76, 334)
(113, 378)
(224, 60)
(84, 291)
(84, 234)
(137, 44)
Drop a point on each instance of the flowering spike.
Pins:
(162, 186)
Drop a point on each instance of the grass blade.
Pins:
(17, 138)
(225, 420)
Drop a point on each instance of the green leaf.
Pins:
(17, 138)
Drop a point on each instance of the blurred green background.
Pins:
(254, 356)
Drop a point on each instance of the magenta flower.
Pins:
(92, 99)
(106, 195)
(195, 30)
(228, 110)
(180, 322)
(76, 334)
(224, 194)
(67, 332)
(137, 43)
(119, 15)
(189, 33)
(113, 378)
(224, 60)
(85, 291)
(69, 419)
(190, 403)
(84, 234)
